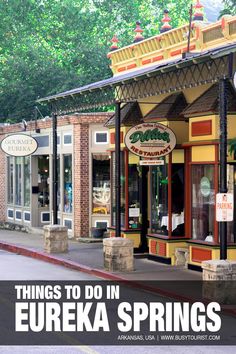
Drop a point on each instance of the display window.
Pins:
(101, 184)
(122, 185)
(10, 179)
(43, 181)
(133, 197)
(18, 180)
(68, 188)
(129, 181)
(167, 198)
(18, 177)
(159, 199)
(231, 186)
(26, 181)
(203, 202)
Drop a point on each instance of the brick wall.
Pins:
(80, 163)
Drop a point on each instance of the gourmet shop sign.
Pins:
(150, 140)
(19, 145)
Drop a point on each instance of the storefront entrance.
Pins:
(40, 191)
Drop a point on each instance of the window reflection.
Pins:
(27, 181)
(159, 199)
(43, 181)
(101, 184)
(203, 202)
(68, 184)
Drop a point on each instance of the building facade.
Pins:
(171, 207)
(83, 175)
(181, 79)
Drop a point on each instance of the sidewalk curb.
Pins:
(23, 251)
(27, 252)
(97, 272)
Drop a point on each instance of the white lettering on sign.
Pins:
(224, 207)
(151, 162)
(150, 140)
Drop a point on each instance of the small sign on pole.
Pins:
(224, 207)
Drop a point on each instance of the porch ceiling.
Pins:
(171, 76)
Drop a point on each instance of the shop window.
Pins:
(130, 199)
(122, 185)
(18, 180)
(67, 139)
(27, 181)
(167, 219)
(43, 141)
(203, 202)
(67, 178)
(133, 197)
(43, 181)
(58, 183)
(231, 186)
(101, 137)
(10, 185)
(159, 199)
(101, 184)
(58, 139)
(177, 199)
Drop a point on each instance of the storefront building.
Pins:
(179, 194)
(83, 193)
(169, 207)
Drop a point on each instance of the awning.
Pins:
(106, 91)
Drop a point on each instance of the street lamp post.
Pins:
(54, 168)
(223, 160)
(117, 169)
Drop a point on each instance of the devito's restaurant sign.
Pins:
(150, 140)
(19, 145)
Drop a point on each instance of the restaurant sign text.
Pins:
(150, 140)
(19, 145)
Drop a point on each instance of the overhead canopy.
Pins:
(130, 115)
(208, 102)
(169, 76)
(170, 108)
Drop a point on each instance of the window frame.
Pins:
(101, 142)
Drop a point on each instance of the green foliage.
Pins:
(229, 7)
(49, 46)
(232, 147)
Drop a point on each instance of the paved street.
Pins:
(18, 267)
(120, 350)
(15, 267)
